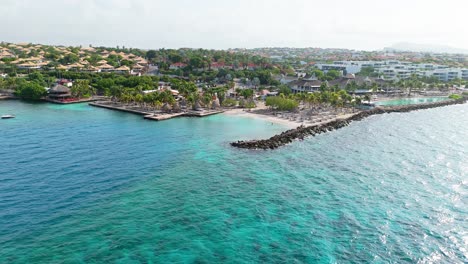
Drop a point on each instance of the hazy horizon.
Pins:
(361, 25)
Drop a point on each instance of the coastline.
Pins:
(302, 131)
(273, 119)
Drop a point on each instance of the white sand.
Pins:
(276, 120)
(272, 119)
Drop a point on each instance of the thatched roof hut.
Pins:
(166, 107)
(59, 89)
(176, 107)
(196, 105)
(215, 104)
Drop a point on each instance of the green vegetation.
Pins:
(368, 71)
(30, 91)
(284, 89)
(229, 102)
(455, 96)
(282, 104)
(250, 104)
(82, 89)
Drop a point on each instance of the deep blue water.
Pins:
(87, 185)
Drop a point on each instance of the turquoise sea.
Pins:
(87, 185)
(408, 101)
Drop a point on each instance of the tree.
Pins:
(367, 71)
(81, 89)
(116, 92)
(151, 54)
(37, 77)
(332, 75)
(69, 58)
(282, 104)
(318, 74)
(324, 87)
(247, 93)
(256, 82)
(367, 98)
(30, 91)
(284, 89)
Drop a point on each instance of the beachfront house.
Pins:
(301, 86)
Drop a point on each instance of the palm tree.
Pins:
(367, 98)
(116, 93)
(193, 100)
(207, 100)
(138, 99)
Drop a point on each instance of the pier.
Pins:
(74, 101)
(156, 116)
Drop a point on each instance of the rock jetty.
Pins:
(301, 132)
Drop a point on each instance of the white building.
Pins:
(396, 70)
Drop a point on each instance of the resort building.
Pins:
(347, 82)
(137, 69)
(28, 65)
(106, 68)
(121, 70)
(307, 86)
(59, 93)
(6, 54)
(396, 70)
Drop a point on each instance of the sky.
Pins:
(222, 24)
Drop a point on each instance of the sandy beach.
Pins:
(272, 119)
(289, 120)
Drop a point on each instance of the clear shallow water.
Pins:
(409, 101)
(87, 185)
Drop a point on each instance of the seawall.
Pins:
(302, 131)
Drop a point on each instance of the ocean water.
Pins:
(87, 185)
(408, 101)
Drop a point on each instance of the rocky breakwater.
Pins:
(303, 131)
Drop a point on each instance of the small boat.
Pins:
(7, 116)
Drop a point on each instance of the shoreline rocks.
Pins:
(301, 132)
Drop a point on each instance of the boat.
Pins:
(7, 116)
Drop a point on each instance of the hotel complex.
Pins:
(395, 70)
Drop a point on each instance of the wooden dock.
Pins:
(7, 97)
(203, 113)
(158, 117)
(162, 116)
(114, 107)
(86, 100)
